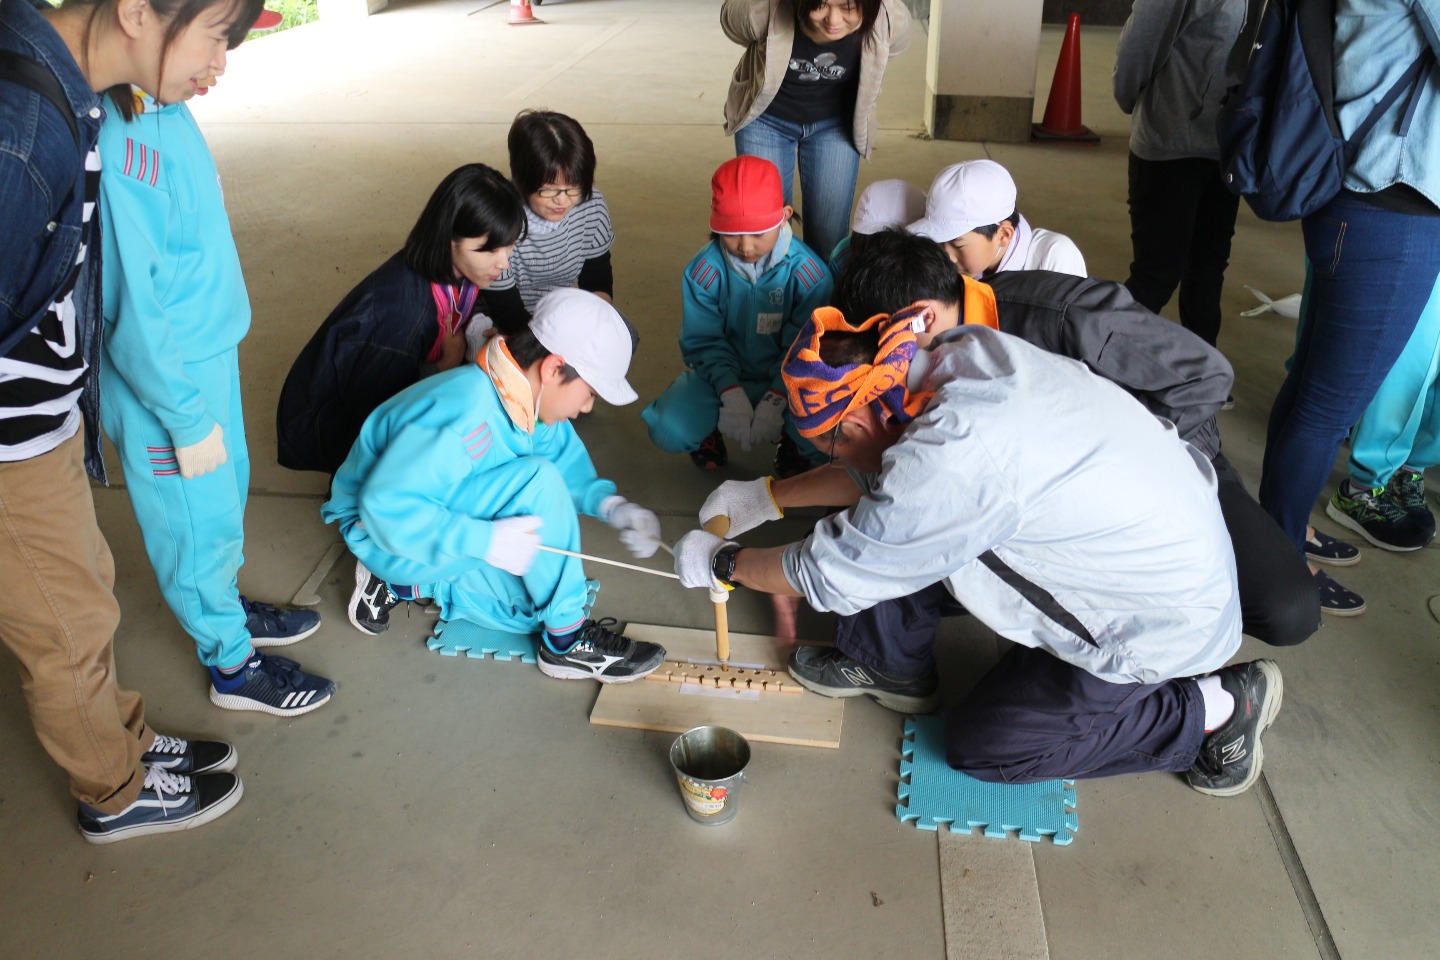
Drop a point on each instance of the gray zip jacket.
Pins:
(1055, 508)
(1171, 74)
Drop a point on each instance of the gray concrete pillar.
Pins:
(980, 75)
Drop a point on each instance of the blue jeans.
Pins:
(829, 165)
(1369, 273)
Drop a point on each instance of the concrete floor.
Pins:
(456, 808)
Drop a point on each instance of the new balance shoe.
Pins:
(168, 802)
(600, 653)
(189, 757)
(1230, 758)
(274, 685)
(711, 454)
(1406, 490)
(1323, 548)
(371, 602)
(270, 626)
(829, 672)
(1376, 518)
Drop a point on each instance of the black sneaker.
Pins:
(829, 672)
(271, 626)
(789, 461)
(712, 454)
(169, 801)
(1372, 515)
(189, 757)
(274, 685)
(600, 653)
(1406, 490)
(370, 602)
(1230, 758)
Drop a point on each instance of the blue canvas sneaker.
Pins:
(168, 802)
(269, 684)
(190, 757)
(271, 626)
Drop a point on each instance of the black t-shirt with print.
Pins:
(821, 80)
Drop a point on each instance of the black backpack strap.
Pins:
(1417, 71)
(28, 73)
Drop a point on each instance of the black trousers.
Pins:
(1181, 221)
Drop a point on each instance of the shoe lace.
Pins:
(164, 782)
(172, 745)
(1409, 488)
(1373, 506)
(598, 634)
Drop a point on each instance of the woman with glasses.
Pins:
(567, 237)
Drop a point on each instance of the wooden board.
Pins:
(805, 720)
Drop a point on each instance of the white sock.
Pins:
(1219, 703)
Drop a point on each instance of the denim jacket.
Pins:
(42, 195)
(1375, 41)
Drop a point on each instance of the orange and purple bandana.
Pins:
(821, 395)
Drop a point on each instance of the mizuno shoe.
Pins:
(1230, 757)
(168, 802)
(830, 673)
(600, 653)
(269, 684)
(370, 602)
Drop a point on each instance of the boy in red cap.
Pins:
(746, 295)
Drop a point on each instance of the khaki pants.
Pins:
(59, 620)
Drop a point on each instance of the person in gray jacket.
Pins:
(1170, 75)
(985, 469)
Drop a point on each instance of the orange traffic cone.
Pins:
(521, 15)
(1062, 111)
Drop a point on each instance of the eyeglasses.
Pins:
(834, 436)
(550, 193)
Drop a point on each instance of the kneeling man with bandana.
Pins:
(984, 470)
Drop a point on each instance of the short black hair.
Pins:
(869, 11)
(897, 269)
(988, 231)
(473, 201)
(527, 350)
(843, 348)
(548, 147)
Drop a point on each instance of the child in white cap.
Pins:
(883, 205)
(971, 212)
(456, 482)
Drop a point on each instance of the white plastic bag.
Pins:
(1285, 306)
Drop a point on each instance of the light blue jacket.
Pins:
(734, 330)
(417, 450)
(1375, 41)
(174, 292)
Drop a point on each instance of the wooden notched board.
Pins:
(806, 719)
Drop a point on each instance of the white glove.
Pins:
(639, 528)
(514, 542)
(695, 560)
(769, 420)
(735, 416)
(748, 503)
(204, 457)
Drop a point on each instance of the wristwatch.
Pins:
(723, 564)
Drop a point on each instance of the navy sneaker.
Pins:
(1406, 490)
(830, 673)
(271, 626)
(168, 802)
(600, 653)
(1323, 548)
(190, 757)
(1229, 760)
(370, 602)
(270, 685)
(1377, 518)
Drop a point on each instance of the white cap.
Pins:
(964, 196)
(885, 204)
(591, 337)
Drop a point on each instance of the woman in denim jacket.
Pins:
(1372, 257)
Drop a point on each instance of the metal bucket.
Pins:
(709, 763)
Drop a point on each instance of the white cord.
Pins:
(613, 563)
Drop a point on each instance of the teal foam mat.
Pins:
(931, 794)
(454, 638)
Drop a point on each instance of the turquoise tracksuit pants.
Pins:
(687, 412)
(1401, 426)
(194, 530)
(551, 594)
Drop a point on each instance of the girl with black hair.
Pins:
(405, 321)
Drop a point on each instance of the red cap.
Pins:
(268, 20)
(746, 197)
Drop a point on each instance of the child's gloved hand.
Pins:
(639, 528)
(735, 416)
(204, 457)
(769, 419)
(514, 541)
(695, 560)
(748, 503)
